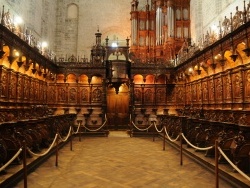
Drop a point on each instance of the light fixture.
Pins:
(222, 59)
(18, 20)
(213, 63)
(34, 68)
(234, 55)
(12, 56)
(20, 62)
(197, 67)
(190, 71)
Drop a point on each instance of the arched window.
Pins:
(185, 14)
(178, 14)
(72, 11)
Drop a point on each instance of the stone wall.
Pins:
(48, 21)
(206, 15)
(38, 17)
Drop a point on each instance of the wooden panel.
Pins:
(72, 95)
(51, 94)
(4, 83)
(211, 90)
(12, 86)
(20, 87)
(218, 92)
(36, 90)
(247, 86)
(188, 94)
(199, 92)
(160, 95)
(96, 95)
(32, 90)
(26, 88)
(204, 86)
(149, 94)
(137, 94)
(61, 93)
(117, 109)
(84, 94)
(180, 97)
(237, 87)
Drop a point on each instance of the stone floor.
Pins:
(120, 161)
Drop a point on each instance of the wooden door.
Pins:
(118, 108)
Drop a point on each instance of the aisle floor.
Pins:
(120, 161)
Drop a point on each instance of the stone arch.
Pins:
(150, 79)
(71, 78)
(83, 79)
(60, 78)
(138, 79)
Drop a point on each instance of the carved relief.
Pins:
(61, 95)
(205, 91)
(148, 95)
(179, 95)
(84, 95)
(44, 92)
(226, 26)
(72, 95)
(31, 87)
(20, 88)
(12, 88)
(160, 97)
(36, 91)
(237, 85)
(26, 88)
(137, 95)
(52, 94)
(243, 120)
(237, 18)
(171, 95)
(211, 90)
(97, 95)
(188, 93)
(218, 89)
(227, 87)
(199, 91)
(41, 86)
(194, 93)
(247, 92)
(4, 85)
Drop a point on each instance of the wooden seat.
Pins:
(241, 157)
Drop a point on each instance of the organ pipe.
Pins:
(155, 32)
(159, 26)
(170, 21)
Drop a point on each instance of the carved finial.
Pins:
(2, 20)
(98, 28)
